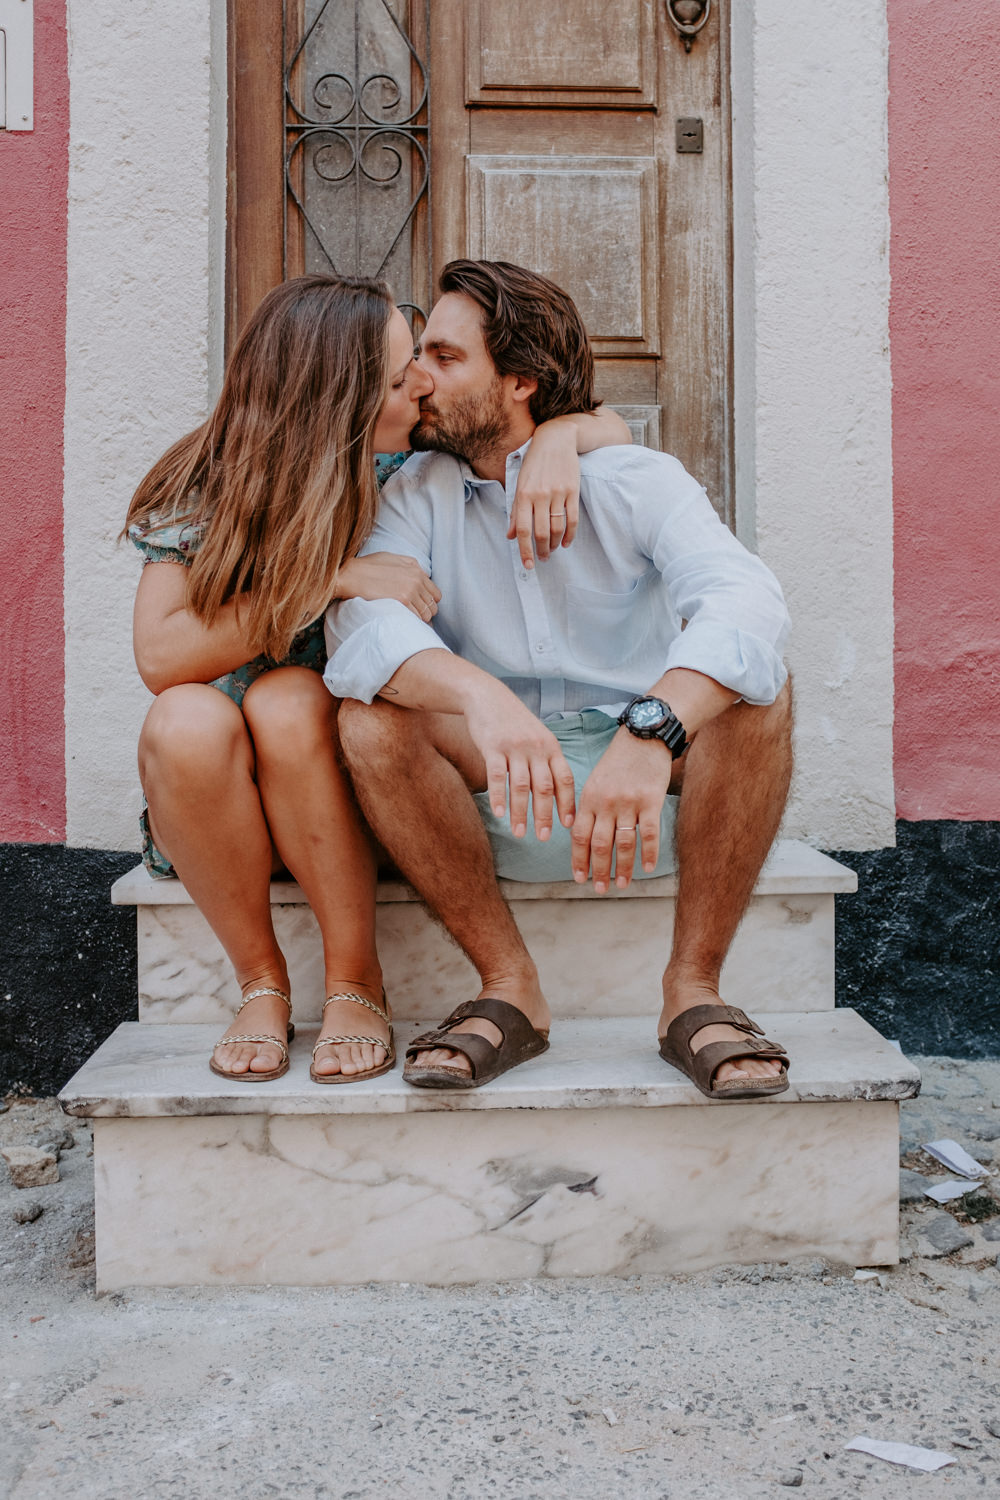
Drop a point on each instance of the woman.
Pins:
(250, 525)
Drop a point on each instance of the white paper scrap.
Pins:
(925, 1459)
(946, 1191)
(866, 1276)
(955, 1157)
(612, 1420)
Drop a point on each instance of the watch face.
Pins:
(647, 714)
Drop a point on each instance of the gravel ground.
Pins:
(723, 1386)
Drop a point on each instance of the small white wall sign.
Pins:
(17, 64)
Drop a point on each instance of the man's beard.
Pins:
(474, 428)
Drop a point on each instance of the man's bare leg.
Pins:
(414, 774)
(735, 784)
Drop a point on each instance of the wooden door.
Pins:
(539, 131)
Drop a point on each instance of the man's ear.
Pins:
(523, 387)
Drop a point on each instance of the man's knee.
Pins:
(772, 721)
(781, 712)
(374, 733)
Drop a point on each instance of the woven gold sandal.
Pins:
(375, 1041)
(250, 1076)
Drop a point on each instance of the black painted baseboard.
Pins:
(67, 961)
(918, 949)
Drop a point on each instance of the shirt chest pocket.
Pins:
(606, 630)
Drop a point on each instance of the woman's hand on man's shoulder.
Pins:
(387, 575)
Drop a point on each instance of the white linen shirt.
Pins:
(596, 623)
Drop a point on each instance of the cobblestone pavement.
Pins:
(728, 1385)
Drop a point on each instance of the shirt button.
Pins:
(539, 646)
(523, 576)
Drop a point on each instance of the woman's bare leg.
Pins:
(324, 842)
(196, 763)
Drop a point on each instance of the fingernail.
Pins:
(544, 833)
(600, 887)
(519, 831)
(498, 809)
(569, 820)
(579, 877)
(621, 882)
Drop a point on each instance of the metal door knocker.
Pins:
(687, 18)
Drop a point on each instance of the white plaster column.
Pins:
(813, 387)
(143, 344)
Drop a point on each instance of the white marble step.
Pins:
(593, 1063)
(596, 1158)
(596, 955)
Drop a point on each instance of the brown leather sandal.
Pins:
(701, 1066)
(259, 1036)
(521, 1041)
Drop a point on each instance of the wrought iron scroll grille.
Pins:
(357, 163)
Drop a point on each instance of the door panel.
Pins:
(561, 51)
(543, 211)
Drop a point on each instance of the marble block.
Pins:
(145, 1070)
(594, 1159)
(596, 956)
(344, 1199)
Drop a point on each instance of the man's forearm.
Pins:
(694, 698)
(440, 682)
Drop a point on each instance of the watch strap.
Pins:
(671, 731)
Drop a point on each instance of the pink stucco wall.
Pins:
(944, 147)
(33, 174)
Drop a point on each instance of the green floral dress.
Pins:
(178, 543)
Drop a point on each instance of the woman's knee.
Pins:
(191, 727)
(290, 710)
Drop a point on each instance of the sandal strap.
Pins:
(709, 1059)
(274, 1041)
(266, 990)
(335, 1041)
(685, 1026)
(359, 1000)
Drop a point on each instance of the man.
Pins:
(526, 670)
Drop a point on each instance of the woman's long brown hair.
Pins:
(281, 477)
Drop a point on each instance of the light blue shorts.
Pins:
(584, 738)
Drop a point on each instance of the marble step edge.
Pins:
(146, 1070)
(792, 868)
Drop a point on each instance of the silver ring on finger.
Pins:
(624, 828)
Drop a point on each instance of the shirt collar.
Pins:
(473, 481)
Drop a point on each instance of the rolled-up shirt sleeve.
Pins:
(368, 640)
(737, 624)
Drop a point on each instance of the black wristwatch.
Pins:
(652, 719)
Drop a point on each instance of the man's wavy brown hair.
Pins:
(531, 328)
(282, 476)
